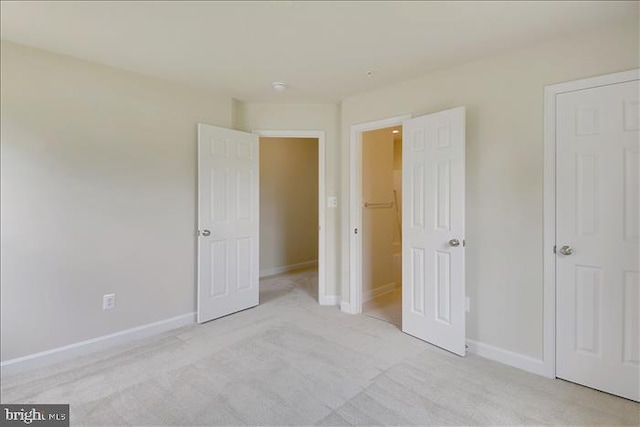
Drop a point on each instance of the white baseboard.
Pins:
(345, 307)
(286, 268)
(517, 360)
(329, 300)
(48, 357)
(376, 292)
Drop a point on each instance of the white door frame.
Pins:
(354, 306)
(323, 299)
(549, 220)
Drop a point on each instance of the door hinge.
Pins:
(355, 231)
(554, 249)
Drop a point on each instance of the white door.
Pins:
(433, 286)
(227, 221)
(598, 331)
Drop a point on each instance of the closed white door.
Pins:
(433, 286)
(597, 256)
(228, 221)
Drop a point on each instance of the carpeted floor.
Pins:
(292, 362)
(387, 307)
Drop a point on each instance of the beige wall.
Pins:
(378, 224)
(321, 117)
(288, 202)
(397, 186)
(504, 100)
(98, 196)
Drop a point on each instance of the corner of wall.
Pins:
(236, 114)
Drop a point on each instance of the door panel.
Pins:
(597, 216)
(228, 211)
(434, 286)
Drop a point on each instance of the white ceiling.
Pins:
(323, 50)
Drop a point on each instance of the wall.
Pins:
(320, 117)
(288, 202)
(378, 224)
(504, 100)
(397, 186)
(98, 196)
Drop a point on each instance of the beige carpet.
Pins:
(291, 362)
(387, 307)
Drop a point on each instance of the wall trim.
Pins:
(286, 268)
(60, 354)
(332, 300)
(549, 203)
(376, 292)
(345, 307)
(507, 357)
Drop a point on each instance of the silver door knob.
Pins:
(454, 242)
(206, 232)
(566, 250)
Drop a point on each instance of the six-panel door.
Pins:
(433, 285)
(228, 221)
(598, 328)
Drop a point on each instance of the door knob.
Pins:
(206, 232)
(566, 250)
(454, 242)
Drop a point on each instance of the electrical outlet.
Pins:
(332, 202)
(109, 301)
(467, 304)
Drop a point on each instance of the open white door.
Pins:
(433, 286)
(228, 221)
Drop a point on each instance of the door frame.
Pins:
(323, 299)
(549, 208)
(354, 305)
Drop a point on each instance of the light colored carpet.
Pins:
(387, 307)
(291, 362)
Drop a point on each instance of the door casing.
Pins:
(549, 220)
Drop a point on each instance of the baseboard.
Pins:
(507, 357)
(382, 290)
(329, 300)
(286, 268)
(345, 307)
(48, 357)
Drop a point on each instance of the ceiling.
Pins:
(323, 50)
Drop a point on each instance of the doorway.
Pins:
(382, 224)
(433, 210)
(228, 219)
(292, 203)
(288, 205)
(592, 248)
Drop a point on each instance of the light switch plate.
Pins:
(332, 202)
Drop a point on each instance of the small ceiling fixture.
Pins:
(279, 86)
(395, 131)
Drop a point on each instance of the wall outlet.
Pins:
(109, 302)
(467, 304)
(332, 202)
